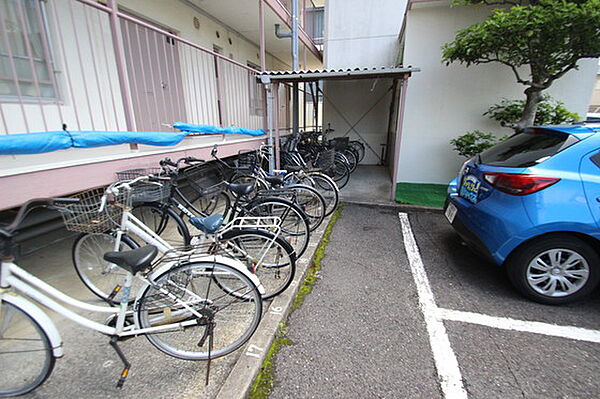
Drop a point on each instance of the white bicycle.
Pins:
(179, 308)
(254, 241)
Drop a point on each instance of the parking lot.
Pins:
(411, 312)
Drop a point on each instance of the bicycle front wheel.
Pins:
(161, 219)
(100, 276)
(26, 357)
(208, 321)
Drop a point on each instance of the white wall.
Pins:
(445, 102)
(362, 33)
(364, 104)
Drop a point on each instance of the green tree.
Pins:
(539, 40)
(549, 112)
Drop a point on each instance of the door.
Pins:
(590, 175)
(155, 80)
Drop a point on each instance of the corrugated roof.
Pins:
(325, 74)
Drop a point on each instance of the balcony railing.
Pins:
(60, 67)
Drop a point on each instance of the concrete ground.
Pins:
(90, 367)
(403, 310)
(368, 183)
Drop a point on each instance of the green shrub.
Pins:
(549, 112)
(473, 143)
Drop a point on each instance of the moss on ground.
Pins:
(264, 381)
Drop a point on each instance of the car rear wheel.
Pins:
(555, 270)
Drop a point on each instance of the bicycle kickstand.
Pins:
(125, 372)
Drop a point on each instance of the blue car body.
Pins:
(496, 222)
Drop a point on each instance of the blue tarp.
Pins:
(37, 143)
(209, 129)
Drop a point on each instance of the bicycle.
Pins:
(307, 197)
(180, 309)
(254, 241)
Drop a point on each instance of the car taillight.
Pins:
(517, 184)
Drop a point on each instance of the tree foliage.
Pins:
(549, 112)
(473, 143)
(539, 40)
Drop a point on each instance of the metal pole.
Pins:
(115, 30)
(277, 136)
(261, 27)
(266, 81)
(295, 67)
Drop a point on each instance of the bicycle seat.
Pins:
(241, 189)
(209, 224)
(135, 260)
(275, 180)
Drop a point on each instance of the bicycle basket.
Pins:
(247, 160)
(325, 160)
(206, 179)
(85, 217)
(339, 143)
(146, 191)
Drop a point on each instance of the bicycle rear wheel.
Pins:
(191, 286)
(25, 352)
(341, 173)
(294, 222)
(271, 258)
(311, 202)
(328, 189)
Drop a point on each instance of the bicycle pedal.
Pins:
(113, 294)
(122, 379)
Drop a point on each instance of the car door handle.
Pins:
(598, 199)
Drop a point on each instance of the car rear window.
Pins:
(528, 148)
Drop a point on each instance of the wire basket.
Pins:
(247, 161)
(85, 216)
(146, 191)
(206, 179)
(339, 143)
(325, 160)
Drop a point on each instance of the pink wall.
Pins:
(17, 189)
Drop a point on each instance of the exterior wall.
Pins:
(180, 18)
(341, 111)
(445, 102)
(90, 97)
(595, 102)
(362, 33)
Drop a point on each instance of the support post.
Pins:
(266, 81)
(399, 124)
(115, 30)
(295, 67)
(276, 116)
(261, 28)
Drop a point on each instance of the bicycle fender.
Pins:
(236, 264)
(40, 317)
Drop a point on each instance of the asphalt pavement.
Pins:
(362, 334)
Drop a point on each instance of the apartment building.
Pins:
(137, 65)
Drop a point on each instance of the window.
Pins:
(255, 91)
(26, 66)
(528, 148)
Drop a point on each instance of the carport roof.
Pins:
(330, 74)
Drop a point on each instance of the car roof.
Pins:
(581, 131)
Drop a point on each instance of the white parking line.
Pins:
(536, 327)
(443, 355)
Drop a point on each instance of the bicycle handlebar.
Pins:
(7, 231)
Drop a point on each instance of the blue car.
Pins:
(532, 204)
